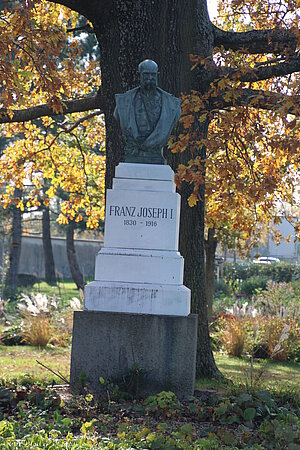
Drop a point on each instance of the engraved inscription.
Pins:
(125, 211)
(142, 212)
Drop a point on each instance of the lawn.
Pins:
(273, 372)
(20, 361)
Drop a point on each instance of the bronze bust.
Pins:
(147, 116)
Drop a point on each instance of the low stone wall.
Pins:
(32, 256)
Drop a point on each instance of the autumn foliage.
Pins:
(50, 155)
(251, 164)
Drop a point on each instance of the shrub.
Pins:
(278, 299)
(41, 323)
(221, 288)
(26, 279)
(271, 331)
(244, 329)
(236, 271)
(250, 285)
(11, 335)
(233, 335)
(284, 272)
(37, 329)
(280, 272)
(295, 284)
(165, 401)
(36, 312)
(281, 432)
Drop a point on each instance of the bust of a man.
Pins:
(147, 116)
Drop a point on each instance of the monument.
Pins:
(137, 311)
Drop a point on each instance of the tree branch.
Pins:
(86, 28)
(290, 65)
(35, 112)
(276, 67)
(256, 99)
(256, 41)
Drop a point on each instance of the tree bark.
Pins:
(47, 247)
(71, 254)
(210, 252)
(11, 281)
(69, 106)
(256, 41)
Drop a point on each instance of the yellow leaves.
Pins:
(33, 203)
(62, 219)
(187, 121)
(56, 104)
(202, 118)
(179, 145)
(19, 204)
(55, 161)
(51, 192)
(37, 182)
(192, 200)
(38, 61)
(7, 112)
(250, 167)
(93, 219)
(5, 200)
(223, 83)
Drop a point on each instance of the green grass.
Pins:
(266, 373)
(63, 291)
(19, 363)
(237, 369)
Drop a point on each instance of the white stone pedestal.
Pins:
(139, 269)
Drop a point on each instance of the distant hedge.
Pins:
(280, 272)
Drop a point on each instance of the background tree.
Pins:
(50, 276)
(252, 171)
(169, 33)
(11, 280)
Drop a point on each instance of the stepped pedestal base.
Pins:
(137, 311)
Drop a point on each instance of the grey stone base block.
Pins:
(109, 345)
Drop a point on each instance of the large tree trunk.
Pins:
(71, 253)
(47, 246)
(210, 252)
(11, 281)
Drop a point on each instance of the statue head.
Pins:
(148, 71)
